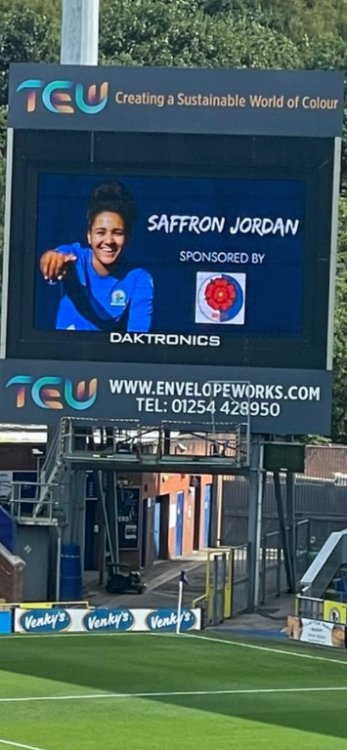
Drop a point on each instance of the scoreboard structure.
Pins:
(220, 299)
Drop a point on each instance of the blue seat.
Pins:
(341, 588)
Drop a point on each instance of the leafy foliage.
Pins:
(25, 36)
(155, 32)
(340, 338)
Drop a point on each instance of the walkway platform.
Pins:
(162, 581)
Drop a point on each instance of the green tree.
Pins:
(25, 36)
(339, 424)
(158, 32)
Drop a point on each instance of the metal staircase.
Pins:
(52, 469)
(47, 507)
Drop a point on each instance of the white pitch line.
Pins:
(19, 744)
(241, 644)
(173, 693)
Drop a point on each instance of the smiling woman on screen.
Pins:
(100, 291)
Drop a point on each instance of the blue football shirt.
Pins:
(91, 302)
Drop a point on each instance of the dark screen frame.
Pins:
(310, 160)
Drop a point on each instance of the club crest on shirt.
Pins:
(118, 298)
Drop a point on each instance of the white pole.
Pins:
(179, 607)
(79, 32)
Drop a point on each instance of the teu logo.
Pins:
(64, 97)
(54, 392)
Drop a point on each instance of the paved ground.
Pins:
(161, 585)
(162, 591)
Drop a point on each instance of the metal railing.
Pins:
(273, 579)
(240, 579)
(52, 512)
(310, 607)
(172, 442)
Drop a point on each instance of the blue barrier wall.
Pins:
(5, 622)
(8, 530)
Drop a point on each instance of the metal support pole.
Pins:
(58, 566)
(102, 495)
(80, 517)
(77, 506)
(68, 494)
(291, 522)
(254, 519)
(216, 514)
(111, 497)
(79, 32)
(284, 534)
(116, 514)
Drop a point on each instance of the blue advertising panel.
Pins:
(165, 620)
(5, 623)
(107, 620)
(57, 620)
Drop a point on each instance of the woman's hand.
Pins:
(55, 266)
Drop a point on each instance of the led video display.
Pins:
(214, 257)
(170, 249)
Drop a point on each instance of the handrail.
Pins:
(45, 605)
(196, 601)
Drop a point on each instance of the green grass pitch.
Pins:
(188, 692)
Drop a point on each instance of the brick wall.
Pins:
(18, 457)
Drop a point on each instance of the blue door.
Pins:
(207, 514)
(156, 530)
(179, 524)
(8, 530)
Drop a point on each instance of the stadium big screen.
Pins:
(170, 243)
(227, 261)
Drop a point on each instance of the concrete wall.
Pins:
(18, 457)
(32, 545)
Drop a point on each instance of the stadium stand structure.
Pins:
(327, 575)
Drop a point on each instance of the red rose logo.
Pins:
(220, 294)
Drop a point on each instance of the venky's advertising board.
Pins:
(168, 217)
(108, 620)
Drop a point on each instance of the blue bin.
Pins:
(71, 584)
